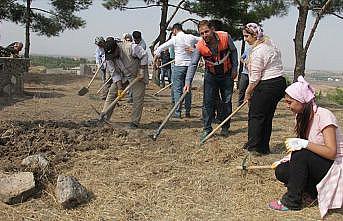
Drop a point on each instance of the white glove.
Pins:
(294, 144)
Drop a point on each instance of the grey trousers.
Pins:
(138, 93)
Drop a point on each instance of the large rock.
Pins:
(35, 161)
(12, 71)
(70, 192)
(16, 188)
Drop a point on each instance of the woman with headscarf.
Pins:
(266, 87)
(315, 167)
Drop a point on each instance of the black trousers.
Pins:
(262, 107)
(301, 175)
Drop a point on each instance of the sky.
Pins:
(325, 52)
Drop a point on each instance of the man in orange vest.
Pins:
(221, 61)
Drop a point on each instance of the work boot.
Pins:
(224, 132)
(204, 134)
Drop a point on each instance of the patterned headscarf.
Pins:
(254, 29)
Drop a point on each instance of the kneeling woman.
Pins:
(316, 163)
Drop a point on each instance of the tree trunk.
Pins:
(161, 37)
(27, 29)
(163, 23)
(300, 52)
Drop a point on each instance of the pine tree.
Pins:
(42, 21)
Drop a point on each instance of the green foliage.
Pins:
(336, 96)
(235, 13)
(46, 22)
(319, 95)
(56, 62)
(288, 80)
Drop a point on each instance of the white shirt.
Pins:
(180, 42)
(139, 52)
(142, 44)
(100, 56)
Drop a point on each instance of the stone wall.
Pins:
(12, 71)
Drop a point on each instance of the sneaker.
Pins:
(133, 125)
(277, 205)
(224, 132)
(188, 115)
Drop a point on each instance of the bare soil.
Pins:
(131, 176)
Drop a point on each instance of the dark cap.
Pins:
(177, 26)
(136, 35)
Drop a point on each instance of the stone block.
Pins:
(12, 71)
(35, 161)
(69, 192)
(16, 188)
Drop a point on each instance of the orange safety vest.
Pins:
(220, 63)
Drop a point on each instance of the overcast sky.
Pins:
(325, 52)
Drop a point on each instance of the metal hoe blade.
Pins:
(83, 91)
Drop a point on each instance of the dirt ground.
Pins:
(130, 176)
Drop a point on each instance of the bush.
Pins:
(56, 62)
(336, 96)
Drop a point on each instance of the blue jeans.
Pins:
(165, 72)
(213, 83)
(172, 90)
(179, 77)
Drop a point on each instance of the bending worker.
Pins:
(135, 61)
